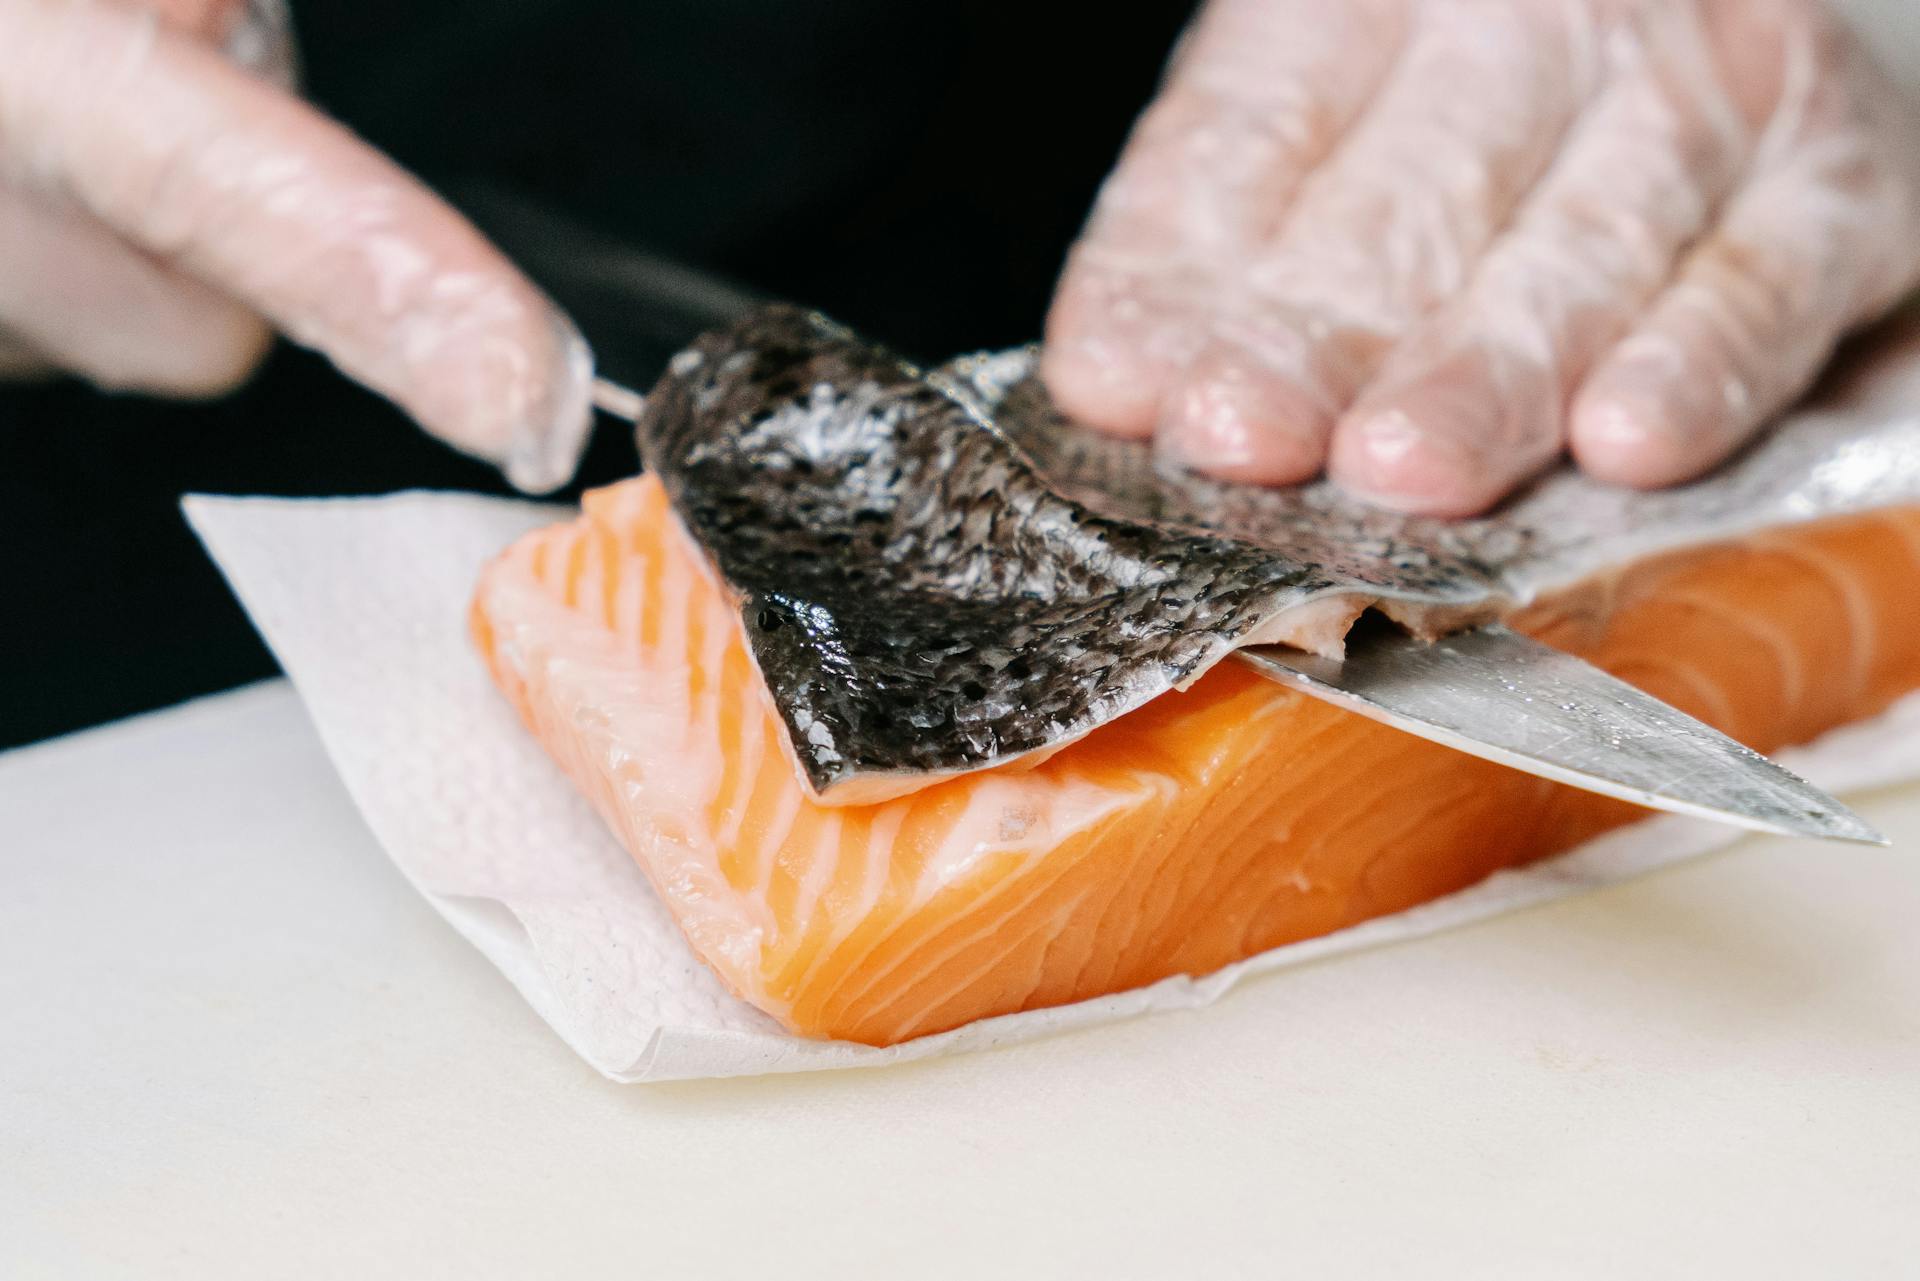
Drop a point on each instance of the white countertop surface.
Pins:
(233, 1042)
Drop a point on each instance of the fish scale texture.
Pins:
(936, 574)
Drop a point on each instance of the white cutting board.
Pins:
(236, 1043)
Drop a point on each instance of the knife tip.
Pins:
(1840, 824)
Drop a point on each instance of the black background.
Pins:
(915, 170)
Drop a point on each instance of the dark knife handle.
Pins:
(635, 308)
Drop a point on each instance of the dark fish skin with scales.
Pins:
(938, 574)
(918, 599)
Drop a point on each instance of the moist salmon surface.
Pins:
(1212, 824)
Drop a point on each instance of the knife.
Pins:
(1494, 693)
(1489, 691)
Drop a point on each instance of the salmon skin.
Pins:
(1208, 825)
(935, 574)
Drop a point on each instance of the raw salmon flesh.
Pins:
(1211, 824)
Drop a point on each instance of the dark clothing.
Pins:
(914, 170)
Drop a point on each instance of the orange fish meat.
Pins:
(1212, 824)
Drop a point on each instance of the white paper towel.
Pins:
(364, 602)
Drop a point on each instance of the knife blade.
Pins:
(1494, 693)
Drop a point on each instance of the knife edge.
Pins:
(1496, 694)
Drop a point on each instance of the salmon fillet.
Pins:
(1212, 824)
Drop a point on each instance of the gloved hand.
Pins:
(1428, 244)
(164, 198)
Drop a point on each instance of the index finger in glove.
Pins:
(1258, 96)
(219, 174)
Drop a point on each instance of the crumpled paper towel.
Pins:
(364, 602)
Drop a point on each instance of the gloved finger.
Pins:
(1395, 222)
(1256, 401)
(1474, 401)
(1260, 92)
(1756, 311)
(1820, 240)
(229, 180)
(77, 296)
(1115, 338)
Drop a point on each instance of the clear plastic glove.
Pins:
(164, 198)
(1426, 245)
